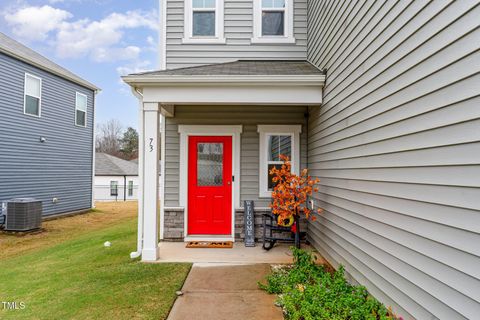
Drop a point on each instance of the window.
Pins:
(204, 21)
(274, 141)
(203, 18)
(277, 145)
(273, 17)
(81, 110)
(130, 188)
(33, 95)
(114, 188)
(210, 164)
(273, 21)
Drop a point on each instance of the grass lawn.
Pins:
(71, 275)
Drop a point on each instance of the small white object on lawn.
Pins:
(107, 244)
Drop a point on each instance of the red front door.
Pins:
(209, 185)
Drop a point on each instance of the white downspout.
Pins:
(138, 253)
(94, 132)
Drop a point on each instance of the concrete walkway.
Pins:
(225, 291)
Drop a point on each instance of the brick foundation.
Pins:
(174, 225)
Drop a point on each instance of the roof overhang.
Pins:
(229, 89)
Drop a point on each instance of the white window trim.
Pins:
(25, 96)
(86, 109)
(219, 37)
(209, 130)
(288, 24)
(268, 130)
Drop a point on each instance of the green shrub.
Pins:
(306, 291)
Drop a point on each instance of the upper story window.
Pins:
(273, 21)
(32, 95)
(81, 110)
(203, 18)
(204, 21)
(273, 17)
(274, 141)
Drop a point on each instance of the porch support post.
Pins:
(150, 181)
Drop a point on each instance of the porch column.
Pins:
(150, 181)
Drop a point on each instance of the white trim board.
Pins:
(162, 35)
(230, 89)
(209, 130)
(246, 94)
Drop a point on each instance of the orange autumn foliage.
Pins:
(289, 197)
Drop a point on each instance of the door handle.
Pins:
(228, 182)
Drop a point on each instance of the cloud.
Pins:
(96, 38)
(115, 54)
(151, 41)
(137, 67)
(34, 23)
(100, 40)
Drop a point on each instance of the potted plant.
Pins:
(290, 195)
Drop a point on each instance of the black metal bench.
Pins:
(270, 226)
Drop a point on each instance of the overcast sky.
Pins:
(98, 40)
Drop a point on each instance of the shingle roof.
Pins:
(21, 52)
(244, 67)
(108, 165)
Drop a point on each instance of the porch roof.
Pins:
(241, 71)
(244, 67)
(276, 82)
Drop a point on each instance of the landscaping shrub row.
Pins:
(307, 291)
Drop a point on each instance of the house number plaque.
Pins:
(249, 218)
(151, 144)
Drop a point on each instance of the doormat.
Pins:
(210, 244)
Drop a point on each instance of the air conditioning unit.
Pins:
(23, 214)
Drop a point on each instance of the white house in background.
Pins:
(115, 179)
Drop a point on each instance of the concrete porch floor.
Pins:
(239, 254)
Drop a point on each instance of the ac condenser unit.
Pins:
(23, 214)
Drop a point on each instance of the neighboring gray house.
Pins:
(46, 131)
(377, 98)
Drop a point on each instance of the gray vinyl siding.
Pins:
(247, 116)
(397, 146)
(238, 28)
(59, 168)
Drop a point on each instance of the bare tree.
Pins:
(108, 137)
